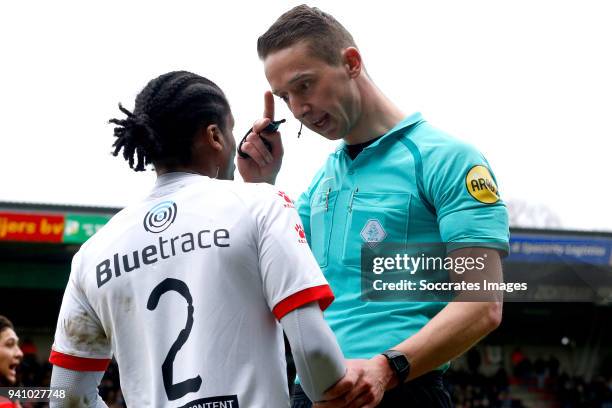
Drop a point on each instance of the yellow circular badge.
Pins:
(481, 186)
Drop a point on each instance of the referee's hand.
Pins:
(262, 165)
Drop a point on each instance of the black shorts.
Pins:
(426, 391)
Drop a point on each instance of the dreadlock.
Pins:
(167, 114)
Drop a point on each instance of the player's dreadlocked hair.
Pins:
(168, 113)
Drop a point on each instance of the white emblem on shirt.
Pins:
(373, 233)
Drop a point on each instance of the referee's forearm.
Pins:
(453, 331)
(459, 325)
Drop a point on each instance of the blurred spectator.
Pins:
(541, 371)
(10, 358)
(517, 359)
(474, 360)
(10, 353)
(553, 367)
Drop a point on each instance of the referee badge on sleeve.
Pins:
(480, 185)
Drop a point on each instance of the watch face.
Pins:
(400, 363)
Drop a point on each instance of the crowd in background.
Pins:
(468, 387)
(541, 379)
(34, 373)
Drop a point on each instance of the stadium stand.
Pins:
(555, 352)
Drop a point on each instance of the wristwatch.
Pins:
(398, 363)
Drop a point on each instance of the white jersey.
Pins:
(185, 290)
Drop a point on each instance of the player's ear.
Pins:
(214, 137)
(351, 59)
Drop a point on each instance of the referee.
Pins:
(394, 179)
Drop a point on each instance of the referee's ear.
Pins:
(351, 60)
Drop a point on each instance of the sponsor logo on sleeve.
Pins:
(480, 185)
(301, 234)
(288, 203)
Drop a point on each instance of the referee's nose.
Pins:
(299, 107)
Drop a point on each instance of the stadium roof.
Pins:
(46, 207)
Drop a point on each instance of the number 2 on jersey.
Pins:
(175, 391)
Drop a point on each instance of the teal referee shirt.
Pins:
(415, 184)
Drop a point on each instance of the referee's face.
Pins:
(324, 97)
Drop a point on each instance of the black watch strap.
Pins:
(398, 363)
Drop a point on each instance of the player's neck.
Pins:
(160, 170)
(378, 114)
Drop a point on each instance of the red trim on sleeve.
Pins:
(78, 363)
(322, 293)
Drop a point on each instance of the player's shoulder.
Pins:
(234, 196)
(256, 194)
(106, 232)
(116, 219)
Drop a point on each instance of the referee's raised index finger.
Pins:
(268, 105)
